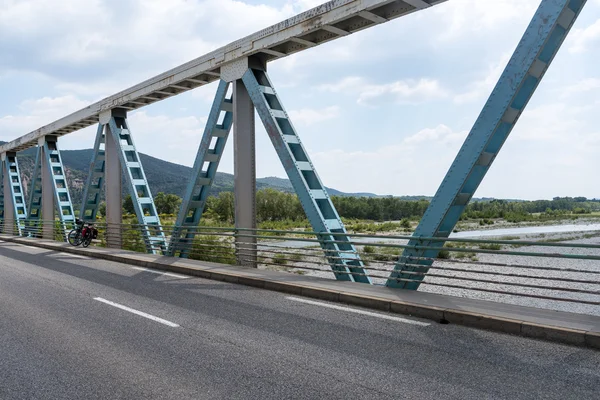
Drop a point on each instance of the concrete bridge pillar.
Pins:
(113, 187)
(244, 143)
(48, 205)
(245, 172)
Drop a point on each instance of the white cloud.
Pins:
(440, 134)
(466, 17)
(559, 123)
(144, 31)
(482, 88)
(390, 169)
(584, 38)
(93, 90)
(309, 116)
(585, 85)
(405, 91)
(156, 134)
(36, 113)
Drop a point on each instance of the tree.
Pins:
(167, 203)
(224, 206)
(102, 209)
(128, 205)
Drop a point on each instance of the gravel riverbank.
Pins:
(544, 272)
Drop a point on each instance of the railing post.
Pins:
(113, 188)
(245, 173)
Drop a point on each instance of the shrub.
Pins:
(279, 259)
(490, 246)
(211, 248)
(369, 249)
(297, 257)
(444, 254)
(133, 241)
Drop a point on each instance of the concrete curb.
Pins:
(277, 282)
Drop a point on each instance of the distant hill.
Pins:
(163, 176)
(167, 177)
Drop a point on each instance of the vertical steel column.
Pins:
(205, 168)
(13, 191)
(93, 187)
(317, 204)
(245, 174)
(113, 189)
(532, 57)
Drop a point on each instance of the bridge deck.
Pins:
(69, 329)
(578, 329)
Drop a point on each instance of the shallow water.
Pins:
(516, 231)
(527, 230)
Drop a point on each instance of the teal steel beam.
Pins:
(92, 192)
(320, 211)
(526, 68)
(52, 161)
(15, 188)
(212, 145)
(137, 184)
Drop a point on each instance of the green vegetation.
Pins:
(539, 210)
(490, 246)
(373, 253)
(279, 209)
(297, 257)
(444, 255)
(280, 259)
(213, 249)
(510, 238)
(167, 203)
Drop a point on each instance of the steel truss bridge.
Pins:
(245, 86)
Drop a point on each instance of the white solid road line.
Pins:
(142, 314)
(29, 247)
(77, 256)
(162, 273)
(353, 310)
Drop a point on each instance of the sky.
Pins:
(384, 110)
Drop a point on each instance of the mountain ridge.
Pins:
(171, 178)
(163, 176)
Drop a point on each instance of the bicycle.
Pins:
(82, 234)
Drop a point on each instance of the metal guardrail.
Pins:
(557, 275)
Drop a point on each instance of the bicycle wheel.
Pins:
(88, 239)
(74, 237)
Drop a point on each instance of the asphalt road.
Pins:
(71, 328)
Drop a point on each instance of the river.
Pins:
(515, 231)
